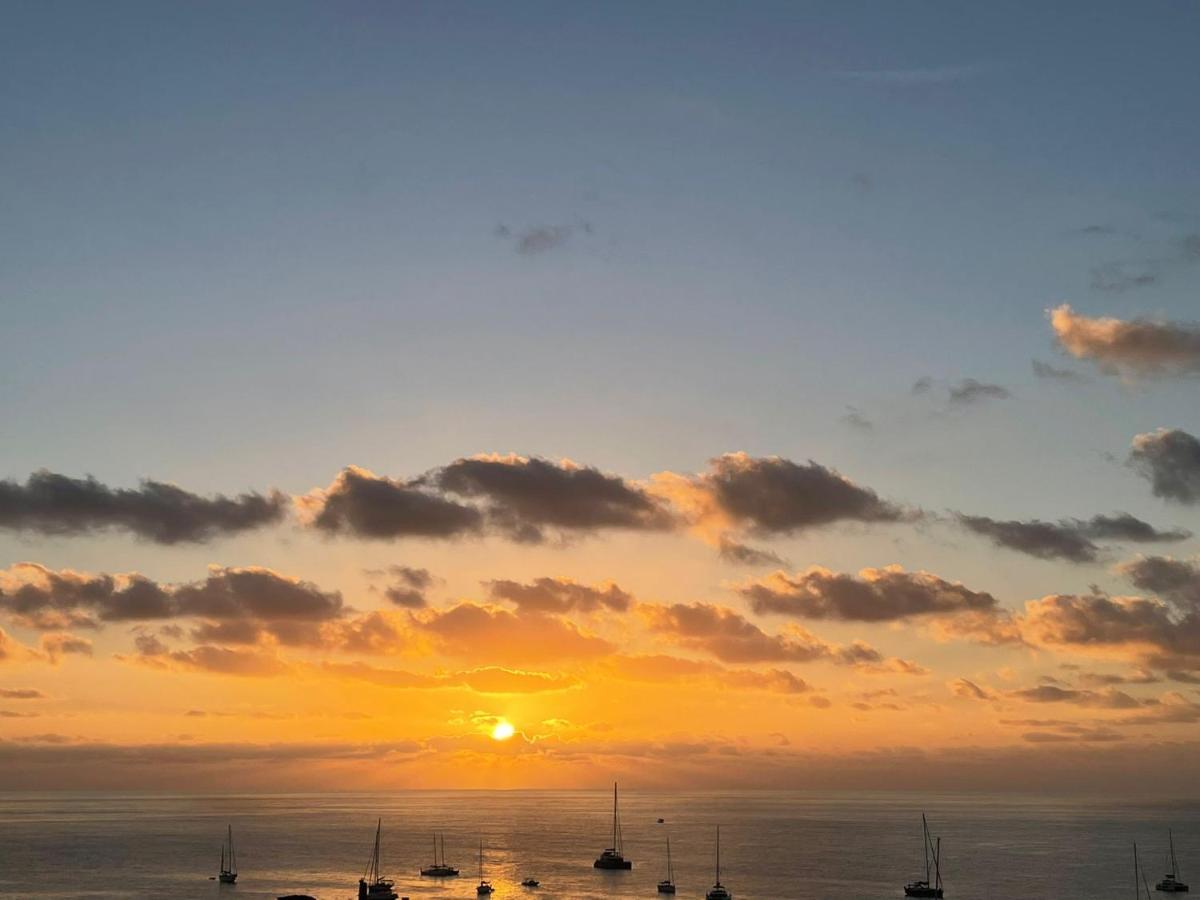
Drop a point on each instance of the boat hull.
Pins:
(920, 890)
(1168, 887)
(666, 887)
(612, 864)
(227, 877)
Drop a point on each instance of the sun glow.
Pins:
(503, 730)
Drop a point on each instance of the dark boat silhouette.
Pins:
(718, 891)
(611, 857)
(439, 869)
(373, 886)
(928, 888)
(667, 885)
(228, 873)
(1171, 883)
(484, 888)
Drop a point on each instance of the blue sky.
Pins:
(248, 244)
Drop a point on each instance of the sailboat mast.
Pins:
(1174, 864)
(925, 843)
(937, 862)
(481, 860)
(670, 873)
(1137, 890)
(718, 854)
(614, 837)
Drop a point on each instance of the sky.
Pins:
(782, 394)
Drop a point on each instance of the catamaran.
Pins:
(373, 886)
(228, 874)
(611, 858)
(439, 869)
(485, 887)
(667, 885)
(1171, 883)
(718, 891)
(928, 888)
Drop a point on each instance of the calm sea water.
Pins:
(774, 845)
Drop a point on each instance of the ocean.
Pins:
(849, 846)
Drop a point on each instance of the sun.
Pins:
(503, 730)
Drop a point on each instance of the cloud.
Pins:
(56, 646)
(252, 663)
(969, 690)
(21, 694)
(856, 419)
(363, 504)
(968, 391)
(506, 638)
(408, 586)
(735, 552)
(524, 495)
(731, 638)
(235, 602)
(661, 668)
(541, 238)
(53, 504)
(560, 595)
(484, 680)
(1131, 348)
(875, 595)
(1175, 580)
(922, 385)
(1147, 628)
(1069, 539)
(1048, 372)
(1049, 693)
(772, 495)
(1170, 460)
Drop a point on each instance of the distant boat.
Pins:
(228, 874)
(1171, 883)
(373, 886)
(928, 888)
(485, 887)
(718, 891)
(667, 885)
(439, 869)
(531, 882)
(611, 858)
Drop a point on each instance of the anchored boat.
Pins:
(928, 888)
(439, 869)
(611, 857)
(718, 891)
(1171, 883)
(373, 886)
(228, 873)
(667, 885)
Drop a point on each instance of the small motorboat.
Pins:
(531, 882)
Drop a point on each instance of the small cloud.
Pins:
(969, 391)
(1048, 372)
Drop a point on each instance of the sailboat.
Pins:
(373, 886)
(928, 888)
(485, 887)
(667, 885)
(439, 869)
(611, 858)
(718, 891)
(228, 873)
(1171, 883)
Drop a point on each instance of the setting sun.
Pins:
(503, 730)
